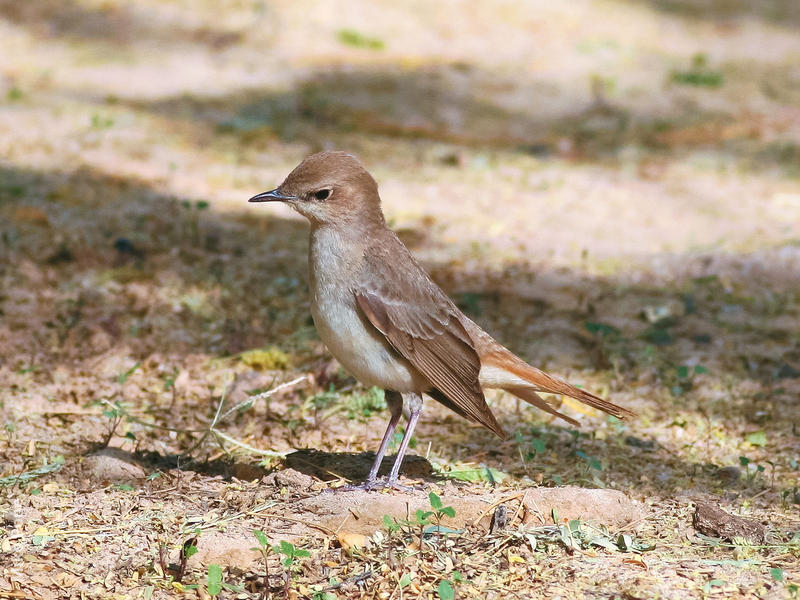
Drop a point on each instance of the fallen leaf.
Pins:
(350, 541)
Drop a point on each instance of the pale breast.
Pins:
(354, 342)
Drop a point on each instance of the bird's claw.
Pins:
(373, 486)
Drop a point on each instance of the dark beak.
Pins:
(271, 196)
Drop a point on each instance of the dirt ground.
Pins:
(610, 187)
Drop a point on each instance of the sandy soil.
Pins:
(612, 188)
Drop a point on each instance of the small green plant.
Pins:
(421, 520)
(101, 122)
(601, 329)
(445, 590)
(752, 471)
(658, 335)
(699, 74)
(198, 205)
(188, 550)
(123, 377)
(115, 412)
(440, 511)
(322, 403)
(359, 406)
(194, 211)
(214, 580)
(265, 549)
(290, 561)
(685, 378)
(10, 428)
(175, 572)
(392, 525)
(14, 94)
(351, 37)
(397, 438)
(611, 345)
(537, 447)
(422, 523)
(591, 462)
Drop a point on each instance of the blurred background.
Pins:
(612, 187)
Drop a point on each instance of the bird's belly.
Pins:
(360, 348)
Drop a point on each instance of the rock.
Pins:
(709, 519)
(609, 507)
(364, 511)
(12, 519)
(226, 549)
(246, 472)
(728, 475)
(352, 541)
(291, 479)
(640, 443)
(112, 465)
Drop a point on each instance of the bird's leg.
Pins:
(395, 402)
(414, 409)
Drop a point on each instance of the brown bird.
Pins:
(387, 322)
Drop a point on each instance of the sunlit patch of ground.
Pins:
(611, 188)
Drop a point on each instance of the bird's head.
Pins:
(329, 187)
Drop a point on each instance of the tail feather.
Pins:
(522, 376)
(531, 397)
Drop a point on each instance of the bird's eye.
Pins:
(322, 194)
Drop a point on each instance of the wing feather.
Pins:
(424, 326)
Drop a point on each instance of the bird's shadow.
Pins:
(151, 461)
(353, 466)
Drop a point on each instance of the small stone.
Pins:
(112, 465)
(352, 541)
(290, 478)
(226, 549)
(246, 472)
(499, 519)
(728, 475)
(709, 519)
(632, 440)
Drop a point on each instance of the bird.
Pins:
(388, 323)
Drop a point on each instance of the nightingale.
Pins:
(386, 321)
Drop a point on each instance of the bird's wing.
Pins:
(423, 325)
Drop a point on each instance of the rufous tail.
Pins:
(511, 373)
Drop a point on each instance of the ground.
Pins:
(610, 187)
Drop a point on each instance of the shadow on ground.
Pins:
(110, 24)
(96, 265)
(773, 11)
(352, 466)
(458, 104)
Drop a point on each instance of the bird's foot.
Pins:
(372, 486)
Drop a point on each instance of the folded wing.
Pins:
(422, 324)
